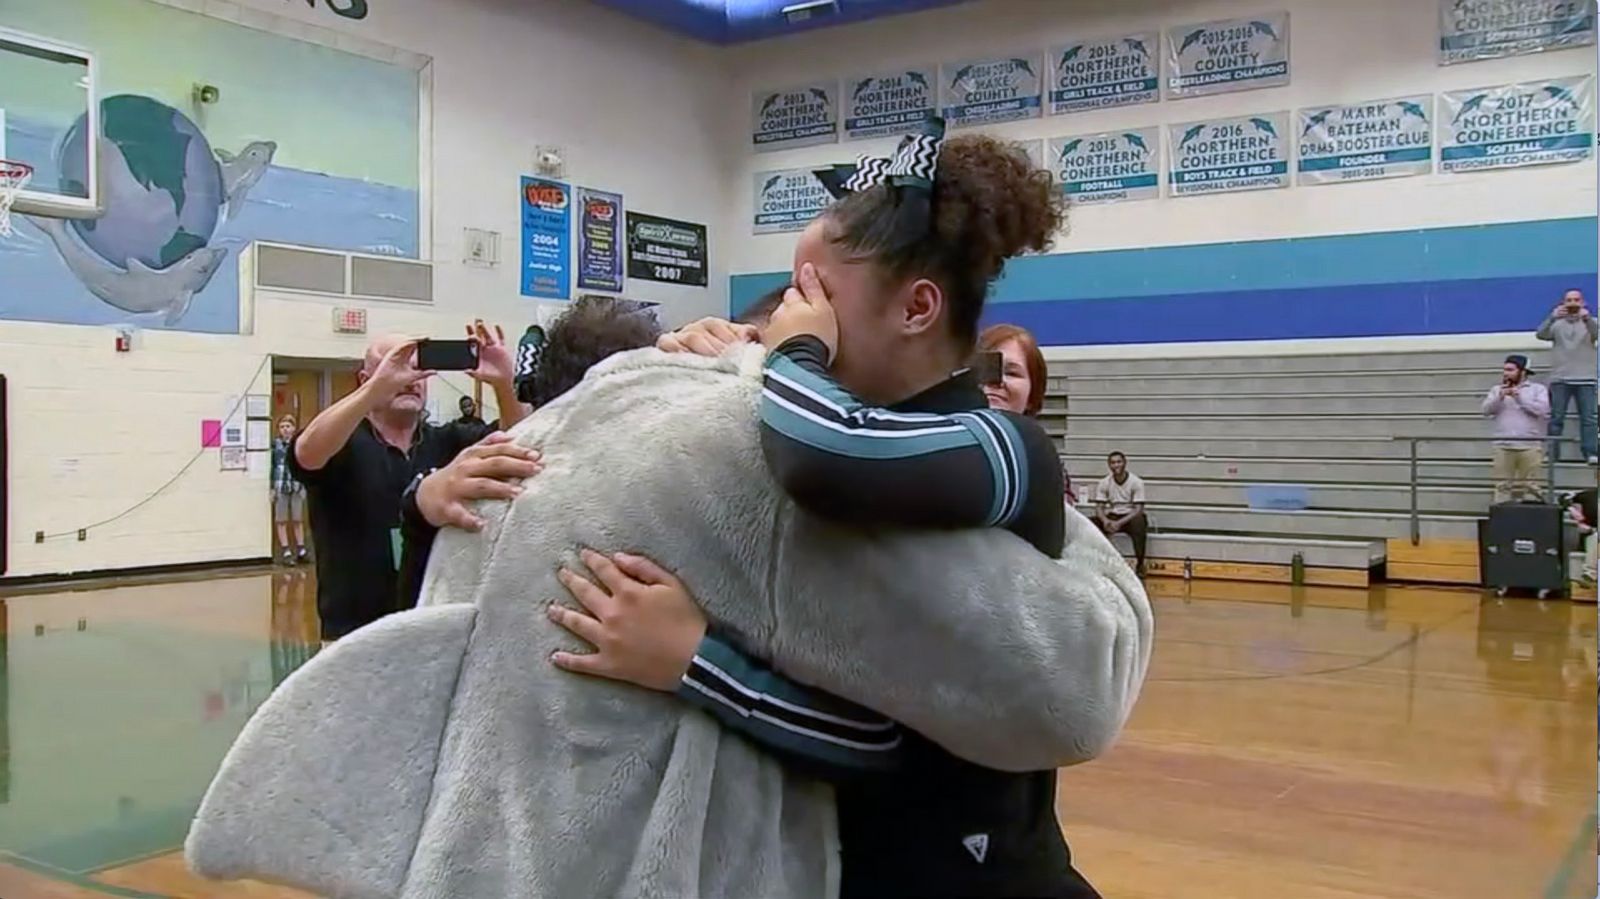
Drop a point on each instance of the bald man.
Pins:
(359, 455)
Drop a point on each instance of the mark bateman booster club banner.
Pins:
(666, 250)
(1364, 141)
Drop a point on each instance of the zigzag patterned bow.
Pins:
(912, 165)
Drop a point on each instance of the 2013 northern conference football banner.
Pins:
(1364, 141)
(1103, 168)
(1228, 55)
(1098, 74)
(1485, 29)
(787, 200)
(1221, 155)
(1534, 123)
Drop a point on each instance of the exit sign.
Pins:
(349, 321)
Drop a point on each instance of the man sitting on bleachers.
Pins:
(1119, 506)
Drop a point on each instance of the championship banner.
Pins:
(1536, 123)
(795, 117)
(546, 239)
(788, 200)
(890, 103)
(1485, 29)
(1111, 72)
(599, 240)
(1364, 141)
(1105, 168)
(1228, 55)
(990, 90)
(666, 250)
(1221, 155)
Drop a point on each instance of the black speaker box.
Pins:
(1520, 547)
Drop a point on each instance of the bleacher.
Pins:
(1207, 433)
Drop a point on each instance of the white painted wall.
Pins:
(93, 432)
(1341, 51)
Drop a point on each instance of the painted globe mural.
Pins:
(163, 190)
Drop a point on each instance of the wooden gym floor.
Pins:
(1310, 743)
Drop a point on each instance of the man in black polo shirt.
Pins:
(358, 456)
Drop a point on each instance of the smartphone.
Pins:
(990, 368)
(447, 355)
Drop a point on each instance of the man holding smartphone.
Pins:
(1520, 409)
(1574, 360)
(358, 455)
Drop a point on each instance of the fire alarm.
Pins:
(124, 340)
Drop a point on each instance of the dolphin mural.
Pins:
(137, 288)
(241, 172)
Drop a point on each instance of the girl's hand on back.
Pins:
(806, 310)
(707, 337)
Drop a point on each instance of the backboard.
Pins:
(50, 119)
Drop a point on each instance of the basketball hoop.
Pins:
(14, 176)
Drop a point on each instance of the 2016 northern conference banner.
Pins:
(1364, 141)
(1228, 55)
(1534, 123)
(1233, 154)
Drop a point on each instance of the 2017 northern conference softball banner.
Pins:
(788, 200)
(1220, 155)
(1363, 141)
(795, 117)
(1103, 168)
(1102, 73)
(890, 103)
(1536, 123)
(1484, 29)
(1228, 55)
(990, 90)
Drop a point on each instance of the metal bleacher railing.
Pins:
(1418, 477)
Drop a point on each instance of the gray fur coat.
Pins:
(437, 754)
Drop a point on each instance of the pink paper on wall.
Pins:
(210, 433)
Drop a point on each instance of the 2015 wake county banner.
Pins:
(890, 103)
(1228, 55)
(787, 200)
(795, 117)
(990, 90)
(546, 239)
(666, 250)
(1535, 123)
(1221, 155)
(1104, 168)
(1099, 74)
(1363, 141)
(1484, 29)
(599, 240)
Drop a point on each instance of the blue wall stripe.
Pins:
(1360, 310)
(1338, 268)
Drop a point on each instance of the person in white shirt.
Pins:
(1119, 506)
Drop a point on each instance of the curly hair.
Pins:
(592, 329)
(988, 204)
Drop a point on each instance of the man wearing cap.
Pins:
(1521, 412)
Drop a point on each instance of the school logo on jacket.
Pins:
(978, 845)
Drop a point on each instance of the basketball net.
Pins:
(14, 176)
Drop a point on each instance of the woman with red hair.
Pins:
(1023, 376)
